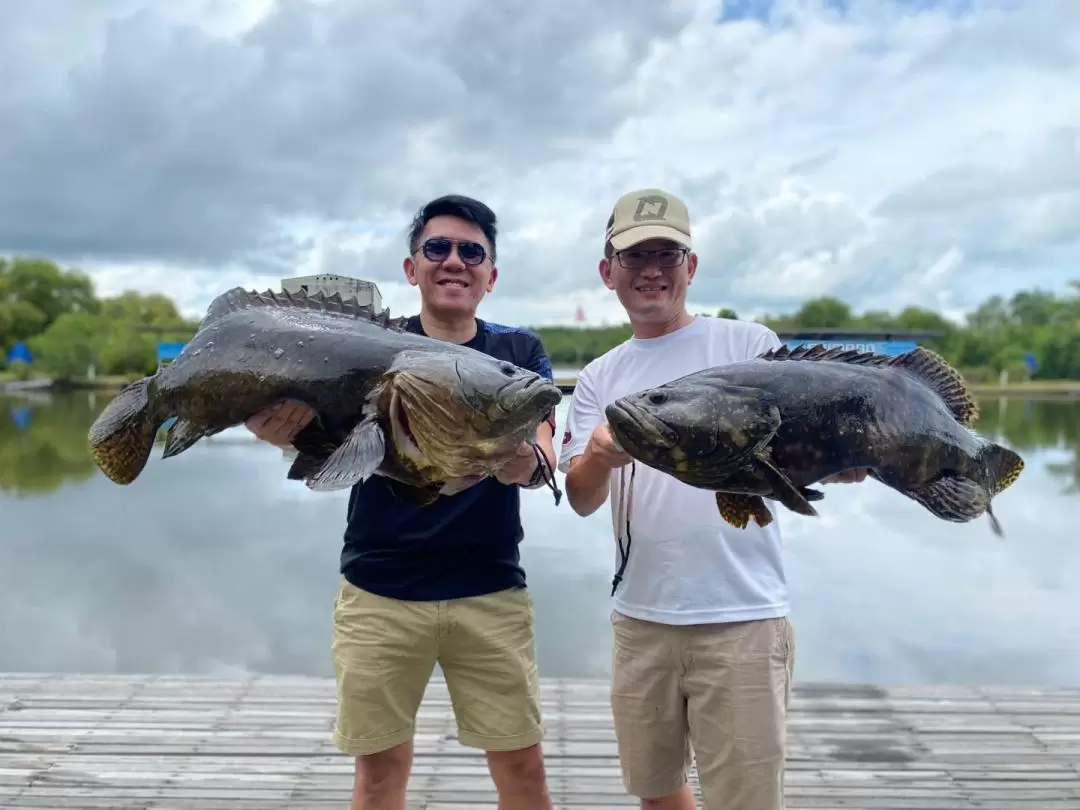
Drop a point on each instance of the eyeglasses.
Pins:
(438, 249)
(665, 257)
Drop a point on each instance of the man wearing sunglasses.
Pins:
(440, 583)
(703, 650)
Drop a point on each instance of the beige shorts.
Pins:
(717, 692)
(385, 651)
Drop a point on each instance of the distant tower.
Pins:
(579, 316)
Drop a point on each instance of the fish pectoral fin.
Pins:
(738, 509)
(417, 496)
(183, 434)
(783, 490)
(354, 461)
(954, 498)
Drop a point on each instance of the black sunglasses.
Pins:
(438, 249)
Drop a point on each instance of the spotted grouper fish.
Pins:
(773, 426)
(423, 412)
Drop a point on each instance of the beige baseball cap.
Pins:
(649, 213)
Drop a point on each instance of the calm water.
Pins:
(214, 563)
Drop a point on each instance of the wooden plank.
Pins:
(202, 743)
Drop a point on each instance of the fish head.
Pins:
(692, 428)
(464, 413)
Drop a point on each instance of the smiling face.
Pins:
(445, 268)
(651, 279)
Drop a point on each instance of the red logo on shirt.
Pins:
(566, 437)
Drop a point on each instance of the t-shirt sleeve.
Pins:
(584, 414)
(537, 360)
(761, 342)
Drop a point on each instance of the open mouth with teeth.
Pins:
(651, 288)
(453, 282)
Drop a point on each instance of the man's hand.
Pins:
(520, 469)
(279, 424)
(847, 477)
(603, 450)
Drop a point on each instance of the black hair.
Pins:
(454, 205)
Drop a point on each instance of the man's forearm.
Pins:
(587, 485)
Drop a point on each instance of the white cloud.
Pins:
(887, 152)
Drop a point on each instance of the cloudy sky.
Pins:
(885, 151)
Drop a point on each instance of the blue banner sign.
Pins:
(20, 353)
(169, 351)
(887, 347)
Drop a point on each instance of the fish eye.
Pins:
(657, 398)
(509, 369)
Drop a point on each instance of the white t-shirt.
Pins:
(686, 565)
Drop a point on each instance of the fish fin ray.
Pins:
(925, 365)
(123, 434)
(356, 460)
(239, 298)
(944, 380)
(182, 434)
(738, 510)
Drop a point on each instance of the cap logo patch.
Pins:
(650, 207)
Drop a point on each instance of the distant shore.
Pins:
(1031, 388)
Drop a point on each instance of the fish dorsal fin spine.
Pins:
(239, 298)
(927, 366)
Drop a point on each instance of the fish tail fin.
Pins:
(1003, 466)
(934, 370)
(122, 436)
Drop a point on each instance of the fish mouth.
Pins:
(533, 393)
(402, 430)
(634, 427)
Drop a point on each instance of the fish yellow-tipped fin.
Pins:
(738, 510)
(122, 436)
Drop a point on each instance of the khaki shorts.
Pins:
(385, 651)
(720, 690)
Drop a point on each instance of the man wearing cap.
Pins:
(703, 649)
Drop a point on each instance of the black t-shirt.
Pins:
(463, 545)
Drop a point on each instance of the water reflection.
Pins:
(213, 562)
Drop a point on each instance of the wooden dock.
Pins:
(188, 743)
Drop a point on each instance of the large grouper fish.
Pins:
(772, 426)
(426, 413)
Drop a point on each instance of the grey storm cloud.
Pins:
(132, 136)
(886, 152)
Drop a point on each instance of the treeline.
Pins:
(68, 328)
(997, 336)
